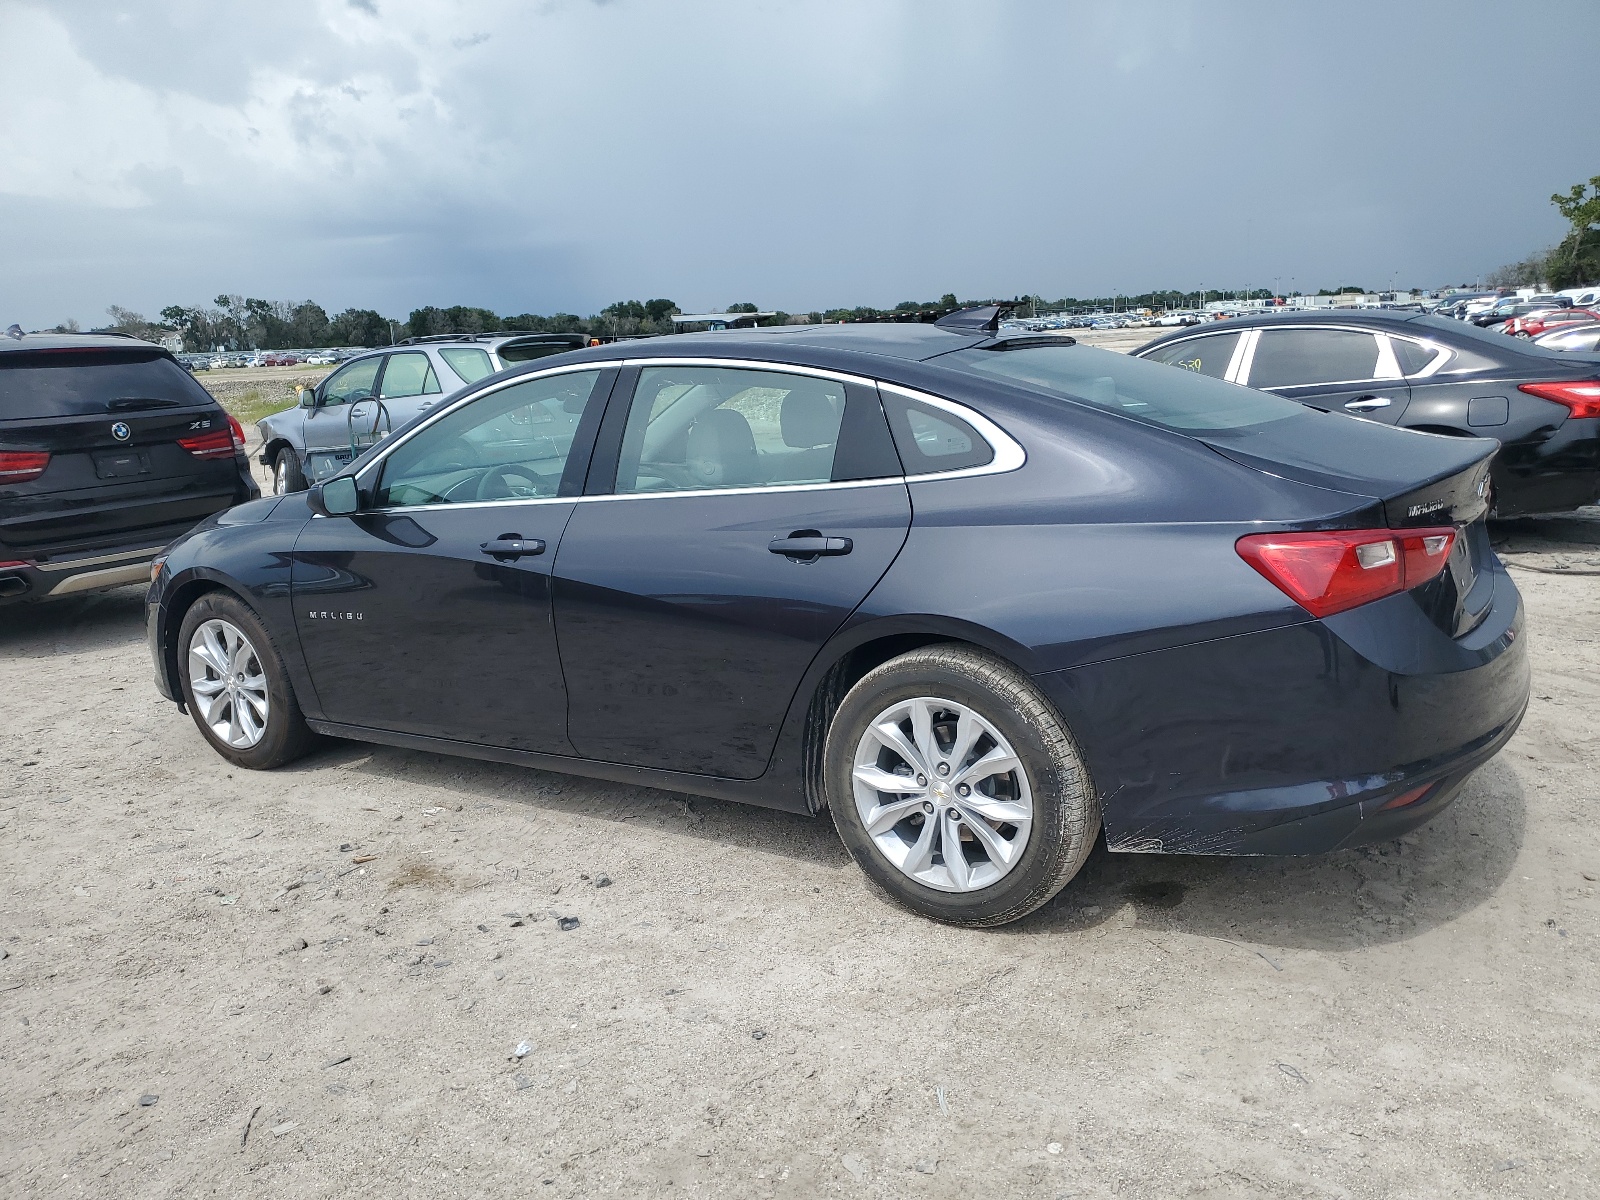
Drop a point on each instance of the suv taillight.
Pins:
(1582, 397)
(1329, 572)
(22, 466)
(219, 443)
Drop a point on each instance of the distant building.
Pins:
(172, 342)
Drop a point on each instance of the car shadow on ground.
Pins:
(1345, 900)
(476, 782)
(74, 624)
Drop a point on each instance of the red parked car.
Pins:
(1535, 323)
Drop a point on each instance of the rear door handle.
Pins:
(1364, 403)
(808, 544)
(511, 545)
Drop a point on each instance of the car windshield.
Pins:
(1171, 397)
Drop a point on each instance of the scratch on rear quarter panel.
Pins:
(1219, 841)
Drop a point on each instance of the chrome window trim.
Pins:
(1441, 355)
(1008, 452)
(1244, 354)
(1388, 367)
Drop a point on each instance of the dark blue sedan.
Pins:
(979, 596)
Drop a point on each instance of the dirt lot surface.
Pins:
(316, 982)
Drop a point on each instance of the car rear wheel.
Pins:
(286, 473)
(235, 685)
(957, 788)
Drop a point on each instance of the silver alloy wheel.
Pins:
(942, 794)
(228, 683)
(280, 475)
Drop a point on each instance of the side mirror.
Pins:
(308, 398)
(336, 498)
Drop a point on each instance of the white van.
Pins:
(1583, 297)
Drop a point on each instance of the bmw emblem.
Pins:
(121, 432)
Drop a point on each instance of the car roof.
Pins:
(1386, 319)
(908, 341)
(492, 339)
(77, 341)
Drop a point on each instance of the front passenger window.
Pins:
(352, 383)
(509, 444)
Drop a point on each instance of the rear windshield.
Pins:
(75, 383)
(1171, 397)
(514, 352)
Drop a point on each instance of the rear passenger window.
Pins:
(1412, 356)
(1202, 355)
(930, 439)
(468, 362)
(1301, 357)
(693, 428)
(409, 374)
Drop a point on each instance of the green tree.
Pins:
(746, 306)
(358, 327)
(1576, 260)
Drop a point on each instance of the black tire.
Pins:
(286, 736)
(288, 462)
(1066, 813)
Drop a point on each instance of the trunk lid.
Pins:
(1416, 481)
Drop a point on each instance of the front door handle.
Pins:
(509, 546)
(1366, 403)
(808, 545)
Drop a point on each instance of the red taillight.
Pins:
(1582, 397)
(238, 433)
(216, 444)
(22, 466)
(1328, 572)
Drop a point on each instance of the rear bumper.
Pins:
(60, 577)
(1294, 740)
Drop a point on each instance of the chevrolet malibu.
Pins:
(978, 596)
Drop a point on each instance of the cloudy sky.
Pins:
(558, 155)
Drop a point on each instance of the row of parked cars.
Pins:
(980, 593)
(1562, 321)
(265, 358)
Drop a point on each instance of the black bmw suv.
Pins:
(109, 450)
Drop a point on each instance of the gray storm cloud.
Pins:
(562, 155)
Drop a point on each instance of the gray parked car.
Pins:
(377, 392)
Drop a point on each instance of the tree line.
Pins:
(1573, 261)
(234, 322)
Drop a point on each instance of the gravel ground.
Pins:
(315, 982)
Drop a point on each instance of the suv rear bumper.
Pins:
(56, 577)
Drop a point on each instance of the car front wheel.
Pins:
(235, 685)
(957, 788)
